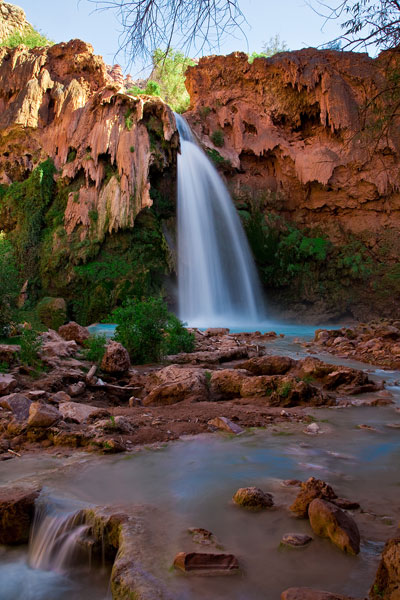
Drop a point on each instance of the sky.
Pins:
(293, 20)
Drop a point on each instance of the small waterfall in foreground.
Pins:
(55, 536)
(217, 279)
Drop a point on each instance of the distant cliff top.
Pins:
(12, 18)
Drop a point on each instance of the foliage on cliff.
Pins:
(29, 37)
(169, 71)
(9, 283)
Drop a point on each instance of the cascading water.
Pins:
(217, 279)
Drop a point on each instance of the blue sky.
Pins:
(293, 20)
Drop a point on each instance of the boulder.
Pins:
(216, 331)
(226, 425)
(328, 520)
(76, 389)
(253, 498)
(311, 489)
(206, 563)
(16, 514)
(296, 539)
(78, 412)
(55, 347)
(175, 384)
(18, 404)
(75, 332)
(311, 594)
(259, 386)
(269, 365)
(290, 391)
(42, 415)
(9, 353)
(8, 383)
(116, 358)
(203, 536)
(227, 383)
(387, 579)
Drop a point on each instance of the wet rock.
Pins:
(42, 415)
(78, 412)
(345, 504)
(313, 429)
(290, 391)
(18, 404)
(77, 389)
(387, 580)
(9, 353)
(226, 425)
(16, 513)
(216, 331)
(253, 498)
(227, 383)
(203, 536)
(8, 383)
(311, 489)
(116, 358)
(206, 563)
(311, 594)
(327, 520)
(115, 424)
(269, 365)
(75, 332)
(175, 384)
(296, 539)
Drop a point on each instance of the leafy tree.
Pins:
(169, 72)
(148, 331)
(365, 23)
(9, 282)
(152, 89)
(273, 46)
(150, 24)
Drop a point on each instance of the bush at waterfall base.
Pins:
(94, 348)
(148, 331)
(30, 343)
(9, 283)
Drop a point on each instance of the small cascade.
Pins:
(217, 279)
(56, 537)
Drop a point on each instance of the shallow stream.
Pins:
(192, 481)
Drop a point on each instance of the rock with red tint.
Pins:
(227, 383)
(387, 580)
(327, 520)
(226, 425)
(311, 489)
(8, 383)
(17, 506)
(19, 405)
(176, 384)
(311, 594)
(43, 415)
(205, 563)
(116, 358)
(74, 331)
(297, 540)
(9, 353)
(253, 498)
(269, 365)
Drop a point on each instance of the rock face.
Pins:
(253, 498)
(327, 520)
(311, 489)
(116, 358)
(311, 594)
(387, 580)
(206, 563)
(16, 514)
(289, 123)
(12, 19)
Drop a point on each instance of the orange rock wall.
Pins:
(60, 102)
(301, 133)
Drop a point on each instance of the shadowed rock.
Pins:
(253, 498)
(205, 563)
(327, 520)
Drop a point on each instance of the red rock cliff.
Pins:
(299, 129)
(60, 102)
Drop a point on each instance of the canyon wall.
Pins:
(313, 137)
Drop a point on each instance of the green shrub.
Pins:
(94, 348)
(30, 342)
(217, 138)
(52, 312)
(148, 331)
(169, 72)
(30, 38)
(9, 283)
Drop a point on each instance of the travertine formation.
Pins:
(60, 102)
(12, 18)
(300, 129)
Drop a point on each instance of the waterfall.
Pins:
(217, 279)
(55, 536)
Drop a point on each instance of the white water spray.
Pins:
(217, 279)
